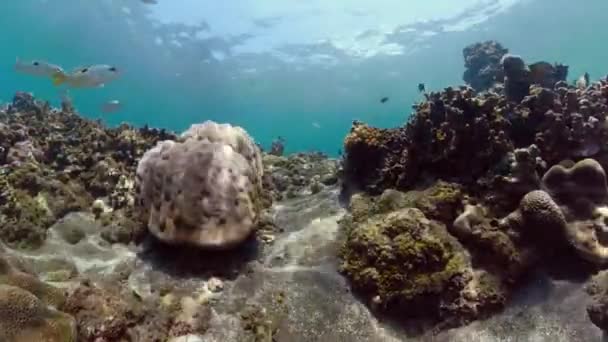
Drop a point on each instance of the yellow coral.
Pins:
(363, 134)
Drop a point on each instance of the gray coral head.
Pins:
(202, 192)
(585, 179)
(512, 63)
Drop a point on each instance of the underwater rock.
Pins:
(26, 102)
(546, 74)
(482, 64)
(440, 201)
(517, 78)
(505, 257)
(376, 159)
(597, 310)
(402, 262)
(203, 190)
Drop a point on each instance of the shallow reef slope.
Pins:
(481, 219)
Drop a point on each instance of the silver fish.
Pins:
(38, 68)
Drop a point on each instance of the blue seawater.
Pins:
(178, 73)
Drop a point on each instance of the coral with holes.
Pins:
(204, 189)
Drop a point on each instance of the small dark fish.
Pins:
(384, 99)
(421, 87)
(340, 152)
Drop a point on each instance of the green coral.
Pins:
(363, 206)
(24, 220)
(441, 201)
(401, 257)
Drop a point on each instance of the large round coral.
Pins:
(203, 190)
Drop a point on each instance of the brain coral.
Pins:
(25, 318)
(203, 189)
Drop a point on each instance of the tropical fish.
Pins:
(87, 77)
(316, 125)
(421, 87)
(383, 100)
(111, 106)
(38, 68)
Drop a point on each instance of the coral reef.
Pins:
(28, 308)
(54, 162)
(482, 64)
(375, 158)
(561, 121)
(402, 261)
(487, 155)
(410, 266)
(298, 174)
(24, 318)
(203, 190)
(517, 78)
(569, 211)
